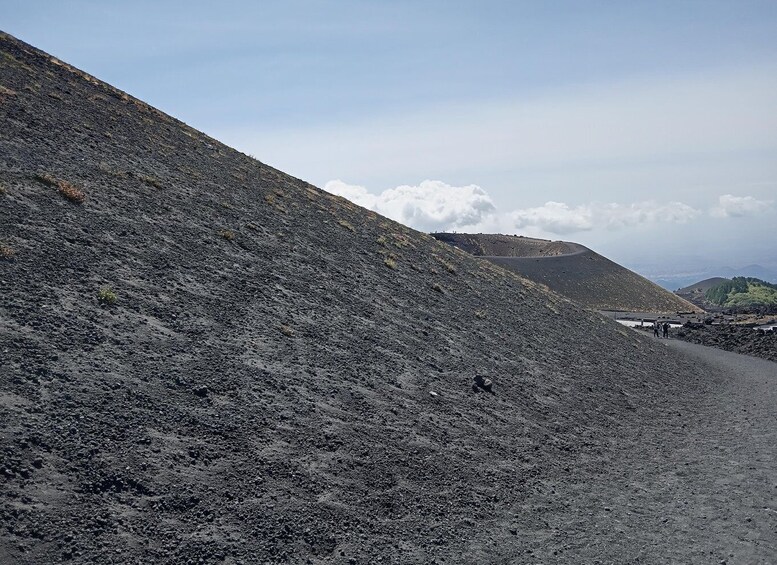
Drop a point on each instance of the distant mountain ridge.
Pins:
(573, 271)
(681, 280)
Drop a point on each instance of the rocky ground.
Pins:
(204, 360)
(732, 337)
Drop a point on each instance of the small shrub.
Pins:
(480, 314)
(71, 192)
(390, 262)
(106, 296)
(346, 225)
(46, 178)
(286, 330)
(401, 240)
(382, 240)
(448, 267)
(151, 181)
(229, 235)
(66, 189)
(6, 252)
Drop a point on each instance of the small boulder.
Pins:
(201, 391)
(483, 383)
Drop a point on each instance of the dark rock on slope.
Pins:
(206, 360)
(731, 337)
(572, 270)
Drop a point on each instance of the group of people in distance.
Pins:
(663, 328)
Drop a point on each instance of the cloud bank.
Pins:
(559, 218)
(434, 205)
(730, 206)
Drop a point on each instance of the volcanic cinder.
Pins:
(573, 271)
(205, 360)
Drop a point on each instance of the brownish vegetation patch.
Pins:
(151, 181)
(6, 252)
(71, 192)
(346, 225)
(65, 189)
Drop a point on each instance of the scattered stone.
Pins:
(483, 383)
(201, 391)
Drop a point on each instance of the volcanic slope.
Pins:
(207, 360)
(572, 270)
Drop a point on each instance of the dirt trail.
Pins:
(698, 487)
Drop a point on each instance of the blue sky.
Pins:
(645, 130)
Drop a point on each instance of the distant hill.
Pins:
(737, 294)
(743, 293)
(701, 287)
(572, 270)
(680, 281)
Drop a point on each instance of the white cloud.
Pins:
(437, 206)
(739, 206)
(430, 206)
(555, 217)
(559, 218)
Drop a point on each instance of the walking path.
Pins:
(697, 485)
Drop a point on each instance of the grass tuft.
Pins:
(65, 189)
(229, 235)
(106, 296)
(286, 330)
(6, 252)
(390, 262)
(151, 181)
(346, 225)
(71, 192)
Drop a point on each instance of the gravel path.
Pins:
(729, 484)
(706, 491)
(697, 485)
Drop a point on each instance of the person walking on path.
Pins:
(666, 330)
(655, 328)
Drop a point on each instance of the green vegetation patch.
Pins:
(743, 292)
(107, 296)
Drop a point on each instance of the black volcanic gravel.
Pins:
(739, 339)
(284, 377)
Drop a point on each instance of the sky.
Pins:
(646, 130)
